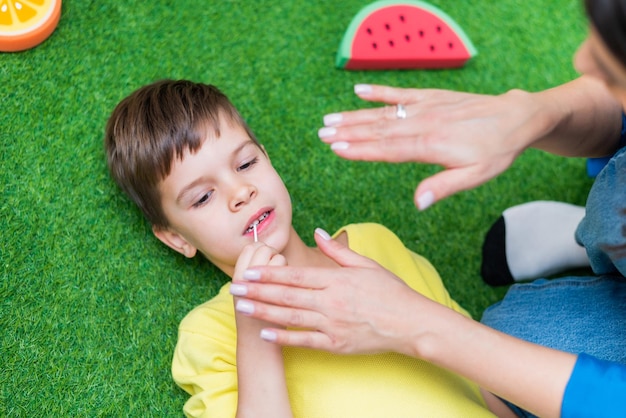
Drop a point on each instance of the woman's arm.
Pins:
(531, 376)
(583, 119)
(475, 137)
(363, 308)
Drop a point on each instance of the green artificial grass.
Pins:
(90, 300)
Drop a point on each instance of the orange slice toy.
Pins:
(25, 24)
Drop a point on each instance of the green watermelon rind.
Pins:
(343, 55)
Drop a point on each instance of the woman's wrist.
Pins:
(445, 334)
(539, 115)
(431, 330)
(577, 119)
(508, 367)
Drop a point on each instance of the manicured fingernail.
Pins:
(332, 119)
(238, 289)
(425, 200)
(268, 335)
(326, 132)
(245, 306)
(339, 145)
(362, 88)
(252, 275)
(322, 233)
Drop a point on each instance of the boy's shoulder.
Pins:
(366, 229)
(377, 242)
(218, 309)
(362, 236)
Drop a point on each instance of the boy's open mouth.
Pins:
(257, 221)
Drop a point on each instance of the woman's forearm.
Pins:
(529, 375)
(577, 119)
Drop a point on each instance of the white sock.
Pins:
(533, 240)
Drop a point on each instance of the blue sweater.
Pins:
(596, 388)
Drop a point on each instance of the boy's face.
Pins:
(212, 197)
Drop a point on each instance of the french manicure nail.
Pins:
(268, 335)
(332, 119)
(322, 233)
(238, 289)
(425, 200)
(326, 132)
(362, 88)
(245, 307)
(339, 145)
(251, 275)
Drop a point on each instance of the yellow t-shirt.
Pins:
(320, 384)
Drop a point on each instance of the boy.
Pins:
(183, 154)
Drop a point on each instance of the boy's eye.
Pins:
(205, 198)
(247, 165)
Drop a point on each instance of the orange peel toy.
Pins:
(25, 24)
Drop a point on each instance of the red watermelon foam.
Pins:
(401, 35)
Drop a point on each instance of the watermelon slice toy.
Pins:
(389, 35)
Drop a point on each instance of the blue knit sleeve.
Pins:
(596, 388)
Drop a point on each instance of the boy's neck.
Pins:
(298, 254)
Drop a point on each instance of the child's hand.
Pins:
(255, 254)
(262, 389)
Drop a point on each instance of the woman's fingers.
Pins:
(352, 309)
(284, 306)
(305, 339)
(388, 150)
(391, 95)
(448, 182)
(414, 100)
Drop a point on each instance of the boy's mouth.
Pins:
(256, 222)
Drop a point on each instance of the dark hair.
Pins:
(156, 124)
(609, 19)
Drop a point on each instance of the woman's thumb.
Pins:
(338, 252)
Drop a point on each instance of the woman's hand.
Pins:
(363, 308)
(474, 137)
(358, 308)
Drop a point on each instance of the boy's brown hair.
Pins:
(156, 124)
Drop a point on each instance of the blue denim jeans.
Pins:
(573, 314)
(579, 314)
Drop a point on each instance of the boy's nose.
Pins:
(242, 195)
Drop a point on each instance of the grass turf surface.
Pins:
(90, 301)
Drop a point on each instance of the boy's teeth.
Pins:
(257, 221)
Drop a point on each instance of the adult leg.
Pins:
(573, 314)
(535, 239)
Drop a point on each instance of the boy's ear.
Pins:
(175, 241)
